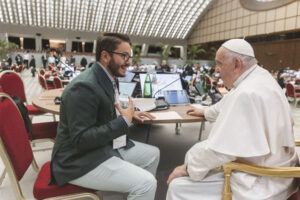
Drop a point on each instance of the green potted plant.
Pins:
(136, 49)
(193, 52)
(165, 51)
(6, 47)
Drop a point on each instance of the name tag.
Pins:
(119, 142)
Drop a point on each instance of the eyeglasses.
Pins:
(125, 56)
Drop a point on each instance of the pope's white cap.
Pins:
(239, 46)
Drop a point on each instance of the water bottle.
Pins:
(154, 83)
(147, 87)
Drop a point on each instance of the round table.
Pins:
(45, 100)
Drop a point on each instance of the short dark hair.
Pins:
(109, 42)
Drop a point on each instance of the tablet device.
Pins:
(176, 97)
(127, 88)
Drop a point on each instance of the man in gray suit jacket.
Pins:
(91, 148)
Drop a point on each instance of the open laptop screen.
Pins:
(127, 88)
(163, 82)
(128, 78)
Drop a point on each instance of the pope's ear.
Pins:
(238, 65)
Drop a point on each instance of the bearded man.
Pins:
(92, 149)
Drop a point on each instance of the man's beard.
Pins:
(114, 68)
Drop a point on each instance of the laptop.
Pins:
(176, 97)
(127, 88)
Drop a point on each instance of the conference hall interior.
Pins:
(46, 44)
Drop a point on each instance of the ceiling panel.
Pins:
(170, 19)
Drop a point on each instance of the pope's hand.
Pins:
(177, 172)
(195, 112)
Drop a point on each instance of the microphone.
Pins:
(166, 86)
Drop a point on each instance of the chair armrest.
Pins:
(282, 172)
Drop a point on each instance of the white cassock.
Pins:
(252, 124)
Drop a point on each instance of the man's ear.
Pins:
(105, 57)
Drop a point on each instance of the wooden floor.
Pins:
(172, 146)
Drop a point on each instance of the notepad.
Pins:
(166, 115)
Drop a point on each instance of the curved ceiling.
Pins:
(169, 19)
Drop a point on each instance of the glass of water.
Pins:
(124, 100)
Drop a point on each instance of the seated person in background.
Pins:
(86, 152)
(252, 125)
(83, 62)
(68, 70)
(5, 65)
(164, 67)
(8, 60)
(72, 60)
(281, 78)
(18, 59)
(188, 70)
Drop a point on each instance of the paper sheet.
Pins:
(199, 106)
(166, 115)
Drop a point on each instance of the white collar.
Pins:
(243, 76)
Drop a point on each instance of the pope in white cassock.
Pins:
(252, 124)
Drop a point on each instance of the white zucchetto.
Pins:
(239, 46)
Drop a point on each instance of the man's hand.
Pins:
(177, 172)
(195, 112)
(128, 112)
(139, 116)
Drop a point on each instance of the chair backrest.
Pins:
(42, 82)
(297, 81)
(12, 84)
(57, 82)
(50, 67)
(42, 72)
(14, 138)
(290, 90)
(20, 68)
(13, 68)
(208, 80)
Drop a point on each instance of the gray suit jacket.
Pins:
(88, 124)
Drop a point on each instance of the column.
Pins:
(183, 52)
(94, 46)
(2, 36)
(68, 45)
(21, 43)
(38, 43)
(145, 48)
(83, 46)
